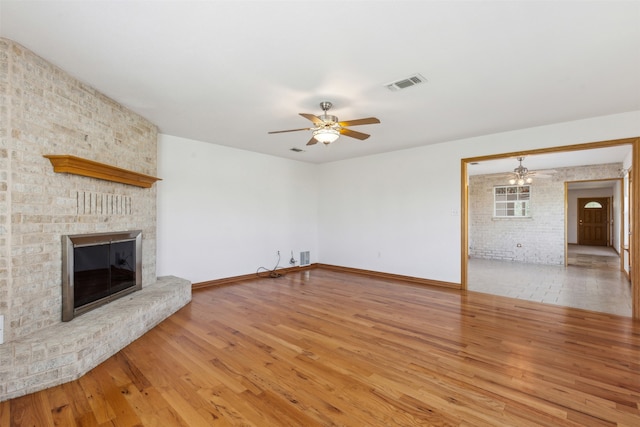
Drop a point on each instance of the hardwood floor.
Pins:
(323, 348)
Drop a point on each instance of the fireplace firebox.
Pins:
(99, 268)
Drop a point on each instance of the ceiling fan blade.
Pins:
(354, 134)
(290, 130)
(312, 141)
(367, 121)
(315, 119)
(540, 175)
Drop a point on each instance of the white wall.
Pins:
(224, 212)
(618, 213)
(626, 164)
(399, 212)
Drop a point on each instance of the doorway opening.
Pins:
(595, 225)
(525, 273)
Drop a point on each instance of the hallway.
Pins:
(591, 281)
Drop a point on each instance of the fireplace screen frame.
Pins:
(70, 243)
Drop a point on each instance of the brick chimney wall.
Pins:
(44, 110)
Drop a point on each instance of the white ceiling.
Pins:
(541, 162)
(227, 72)
(544, 164)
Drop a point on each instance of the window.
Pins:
(593, 205)
(511, 201)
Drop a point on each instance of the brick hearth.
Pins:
(66, 351)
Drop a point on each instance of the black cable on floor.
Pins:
(272, 274)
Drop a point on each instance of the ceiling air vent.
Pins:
(405, 83)
(297, 150)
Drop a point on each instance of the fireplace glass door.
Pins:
(102, 270)
(98, 268)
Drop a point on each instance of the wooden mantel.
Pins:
(78, 166)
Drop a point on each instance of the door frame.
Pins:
(622, 230)
(634, 212)
(633, 195)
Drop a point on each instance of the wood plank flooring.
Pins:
(323, 348)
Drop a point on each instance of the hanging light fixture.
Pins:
(326, 135)
(521, 175)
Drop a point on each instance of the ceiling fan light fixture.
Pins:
(522, 175)
(326, 135)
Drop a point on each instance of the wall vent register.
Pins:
(305, 258)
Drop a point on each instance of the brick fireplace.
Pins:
(43, 111)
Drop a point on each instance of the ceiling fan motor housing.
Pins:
(326, 106)
(328, 120)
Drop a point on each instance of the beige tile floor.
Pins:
(591, 281)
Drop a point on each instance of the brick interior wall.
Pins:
(541, 237)
(44, 110)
